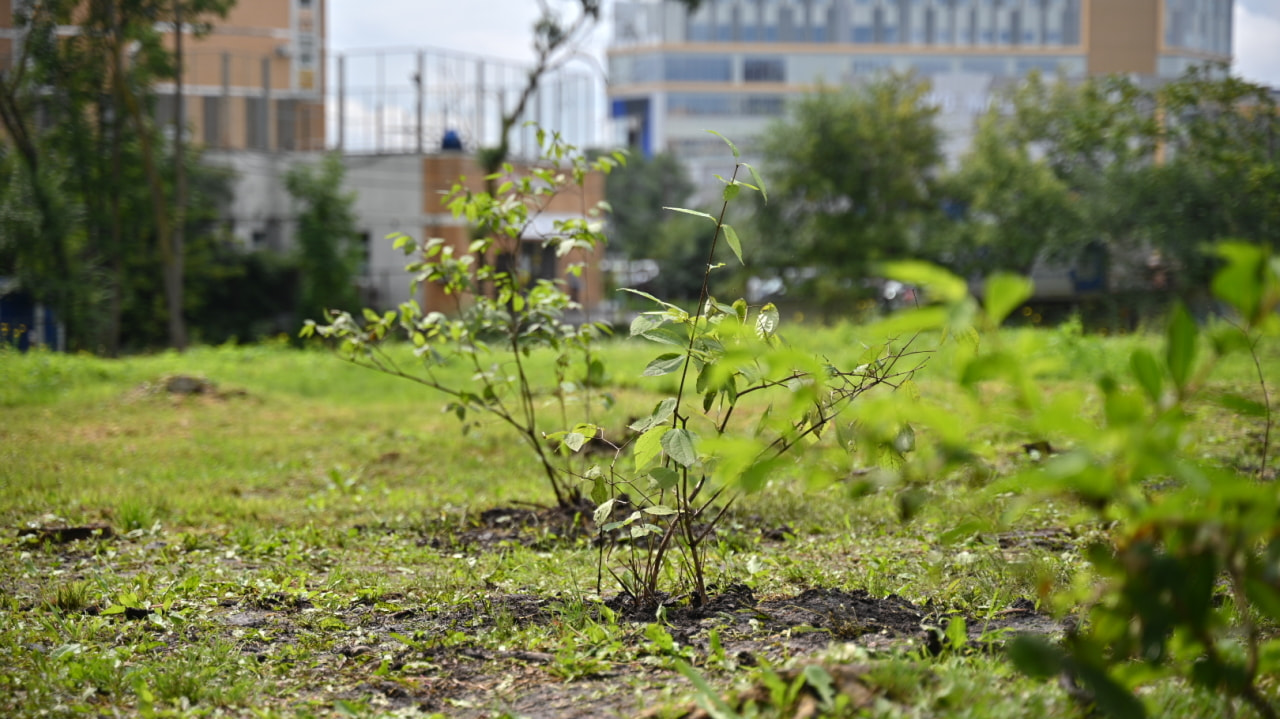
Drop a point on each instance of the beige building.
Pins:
(257, 80)
(733, 64)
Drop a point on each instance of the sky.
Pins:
(501, 28)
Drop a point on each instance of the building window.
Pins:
(697, 68)
(931, 66)
(690, 104)
(870, 65)
(647, 68)
(364, 241)
(680, 103)
(863, 34)
(985, 66)
(255, 121)
(212, 121)
(1047, 66)
(764, 69)
(286, 124)
(1071, 23)
(767, 105)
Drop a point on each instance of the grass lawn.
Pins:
(315, 539)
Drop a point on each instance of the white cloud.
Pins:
(1257, 46)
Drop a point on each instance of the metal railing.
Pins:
(405, 100)
(378, 101)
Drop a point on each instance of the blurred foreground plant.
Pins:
(1188, 585)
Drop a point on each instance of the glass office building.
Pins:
(732, 64)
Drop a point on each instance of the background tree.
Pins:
(1152, 175)
(852, 178)
(1219, 171)
(636, 194)
(95, 88)
(328, 255)
(1014, 208)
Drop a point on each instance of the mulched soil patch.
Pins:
(64, 534)
(467, 680)
(181, 386)
(544, 527)
(1053, 539)
(531, 526)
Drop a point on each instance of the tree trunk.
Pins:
(173, 279)
(171, 271)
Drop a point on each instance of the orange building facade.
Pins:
(256, 81)
(441, 172)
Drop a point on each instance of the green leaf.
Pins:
(957, 633)
(755, 177)
(754, 477)
(991, 366)
(660, 637)
(695, 213)
(941, 284)
(649, 446)
(664, 364)
(708, 698)
(659, 510)
(603, 511)
(599, 492)
(767, 321)
(731, 237)
(661, 413)
(645, 322)
(1148, 372)
(818, 678)
(1228, 339)
(1037, 658)
(664, 477)
(732, 147)
(679, 446)
(1004, 293)
(1112, 698)
(730, 192)
(575, 440)
(669, 334)
(1181, 350)
(1240, 404)
(1264, 595)
(648, 296)
(1241, 283)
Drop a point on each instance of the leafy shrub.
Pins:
(743, 403)
(500, 314)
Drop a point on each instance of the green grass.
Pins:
(286, 548)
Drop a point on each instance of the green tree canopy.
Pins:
(327, 251)
(1153, 174)
(636, 194)
(94, 172)
(852, 180)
